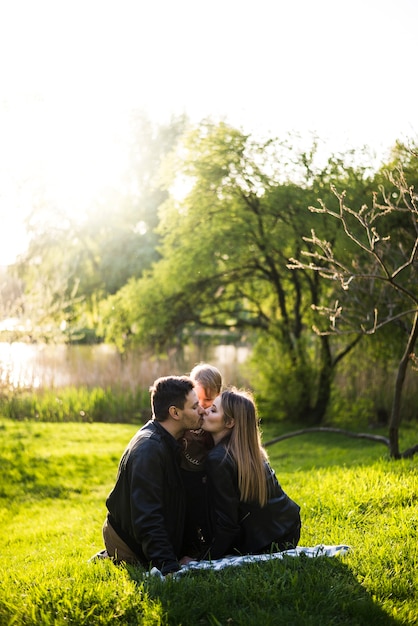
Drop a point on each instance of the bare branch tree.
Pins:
(379, 284)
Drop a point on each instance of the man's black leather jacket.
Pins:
(147, 504)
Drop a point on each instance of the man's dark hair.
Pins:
(169, 391)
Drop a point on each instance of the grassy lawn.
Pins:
(54, 481)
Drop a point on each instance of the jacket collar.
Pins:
(165, 434)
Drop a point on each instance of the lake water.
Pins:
(52, 366)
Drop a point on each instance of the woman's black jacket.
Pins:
(245, 527)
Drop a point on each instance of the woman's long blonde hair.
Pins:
(244, 445)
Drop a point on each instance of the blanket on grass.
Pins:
(234, 561)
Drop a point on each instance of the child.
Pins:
(195, 447)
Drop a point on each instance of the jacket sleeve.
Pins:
(147, 505)
(224, 504)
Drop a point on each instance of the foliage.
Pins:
(10, 295)
(196, 243)
(280, 384)
(72, 264)
(379, 286)
(52, 508)
(362, 393)
(224, 251)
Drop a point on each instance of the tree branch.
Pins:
(409, 453)
(339, 431)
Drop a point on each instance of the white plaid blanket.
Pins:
(233, 561)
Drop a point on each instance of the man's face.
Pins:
(206, 396)
(192, 413)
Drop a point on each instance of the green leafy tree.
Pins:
(224, 253)
(121, 229)
(71, 265)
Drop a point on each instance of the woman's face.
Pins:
(213, 420)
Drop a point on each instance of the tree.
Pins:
(71, 265)
(380, 285)
(122, 226)
(224, 252)
(10, 305)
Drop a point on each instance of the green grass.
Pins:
(54, 481)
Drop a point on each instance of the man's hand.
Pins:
(185, 560)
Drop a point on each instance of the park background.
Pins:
(231, 182)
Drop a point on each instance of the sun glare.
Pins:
(83, 156)
(74, 73)
(57, 155)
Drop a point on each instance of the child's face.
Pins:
(206, 396)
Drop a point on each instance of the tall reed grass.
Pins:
(77, 404)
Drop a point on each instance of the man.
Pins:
(146, 507)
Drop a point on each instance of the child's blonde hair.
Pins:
(208, 377)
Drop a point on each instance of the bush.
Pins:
(357, 413)
(283, 389)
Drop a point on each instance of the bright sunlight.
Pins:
(60, 155)
(72, 74)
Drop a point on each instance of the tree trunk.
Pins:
(324, 383)
(396, 417)
(328, 367)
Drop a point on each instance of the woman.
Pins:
(251, 513)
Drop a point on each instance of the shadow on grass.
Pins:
(298, 591)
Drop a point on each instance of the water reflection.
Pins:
(51, 366)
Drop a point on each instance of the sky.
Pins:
(72, 73)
